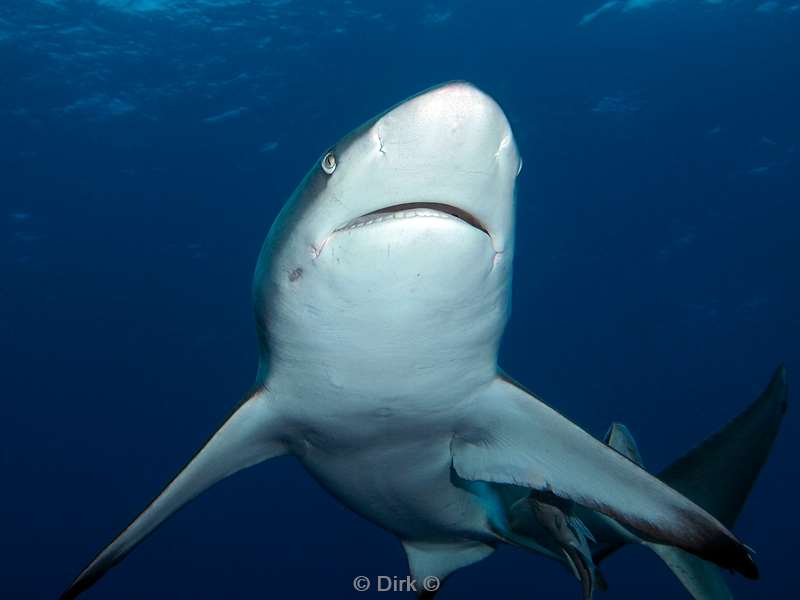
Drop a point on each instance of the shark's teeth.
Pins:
(380, 217)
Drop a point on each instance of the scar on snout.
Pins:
(503, 144)
(296, 274)
(380, 141)
(315, 252)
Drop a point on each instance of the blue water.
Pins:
(146, 146)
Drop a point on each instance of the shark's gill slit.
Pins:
(440, 207)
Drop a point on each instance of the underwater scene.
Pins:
(259, 333)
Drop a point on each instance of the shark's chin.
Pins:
(414, 210)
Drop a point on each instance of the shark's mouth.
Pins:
(412, 210)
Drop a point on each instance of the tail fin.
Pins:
(718, 475)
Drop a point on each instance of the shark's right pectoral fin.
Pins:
(249, 436)
(510, 437)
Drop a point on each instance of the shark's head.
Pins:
(416, 204)
(449, 149)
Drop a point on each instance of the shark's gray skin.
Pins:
(718, 475)
(381, 294)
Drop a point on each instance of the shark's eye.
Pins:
(328, 163)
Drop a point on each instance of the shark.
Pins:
(381, 294)
(718, 474)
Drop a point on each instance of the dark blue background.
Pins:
(656, 270)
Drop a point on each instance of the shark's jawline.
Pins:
(439, 207)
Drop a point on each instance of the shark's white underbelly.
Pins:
(405, 486)
(373, 350)
(379, 440)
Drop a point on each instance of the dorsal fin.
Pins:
(720, 472)
(718, 475)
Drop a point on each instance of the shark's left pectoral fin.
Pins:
(510, 437)
(250, 435)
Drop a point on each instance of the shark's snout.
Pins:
(446, 152)
(454, 120)
(450, 146)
